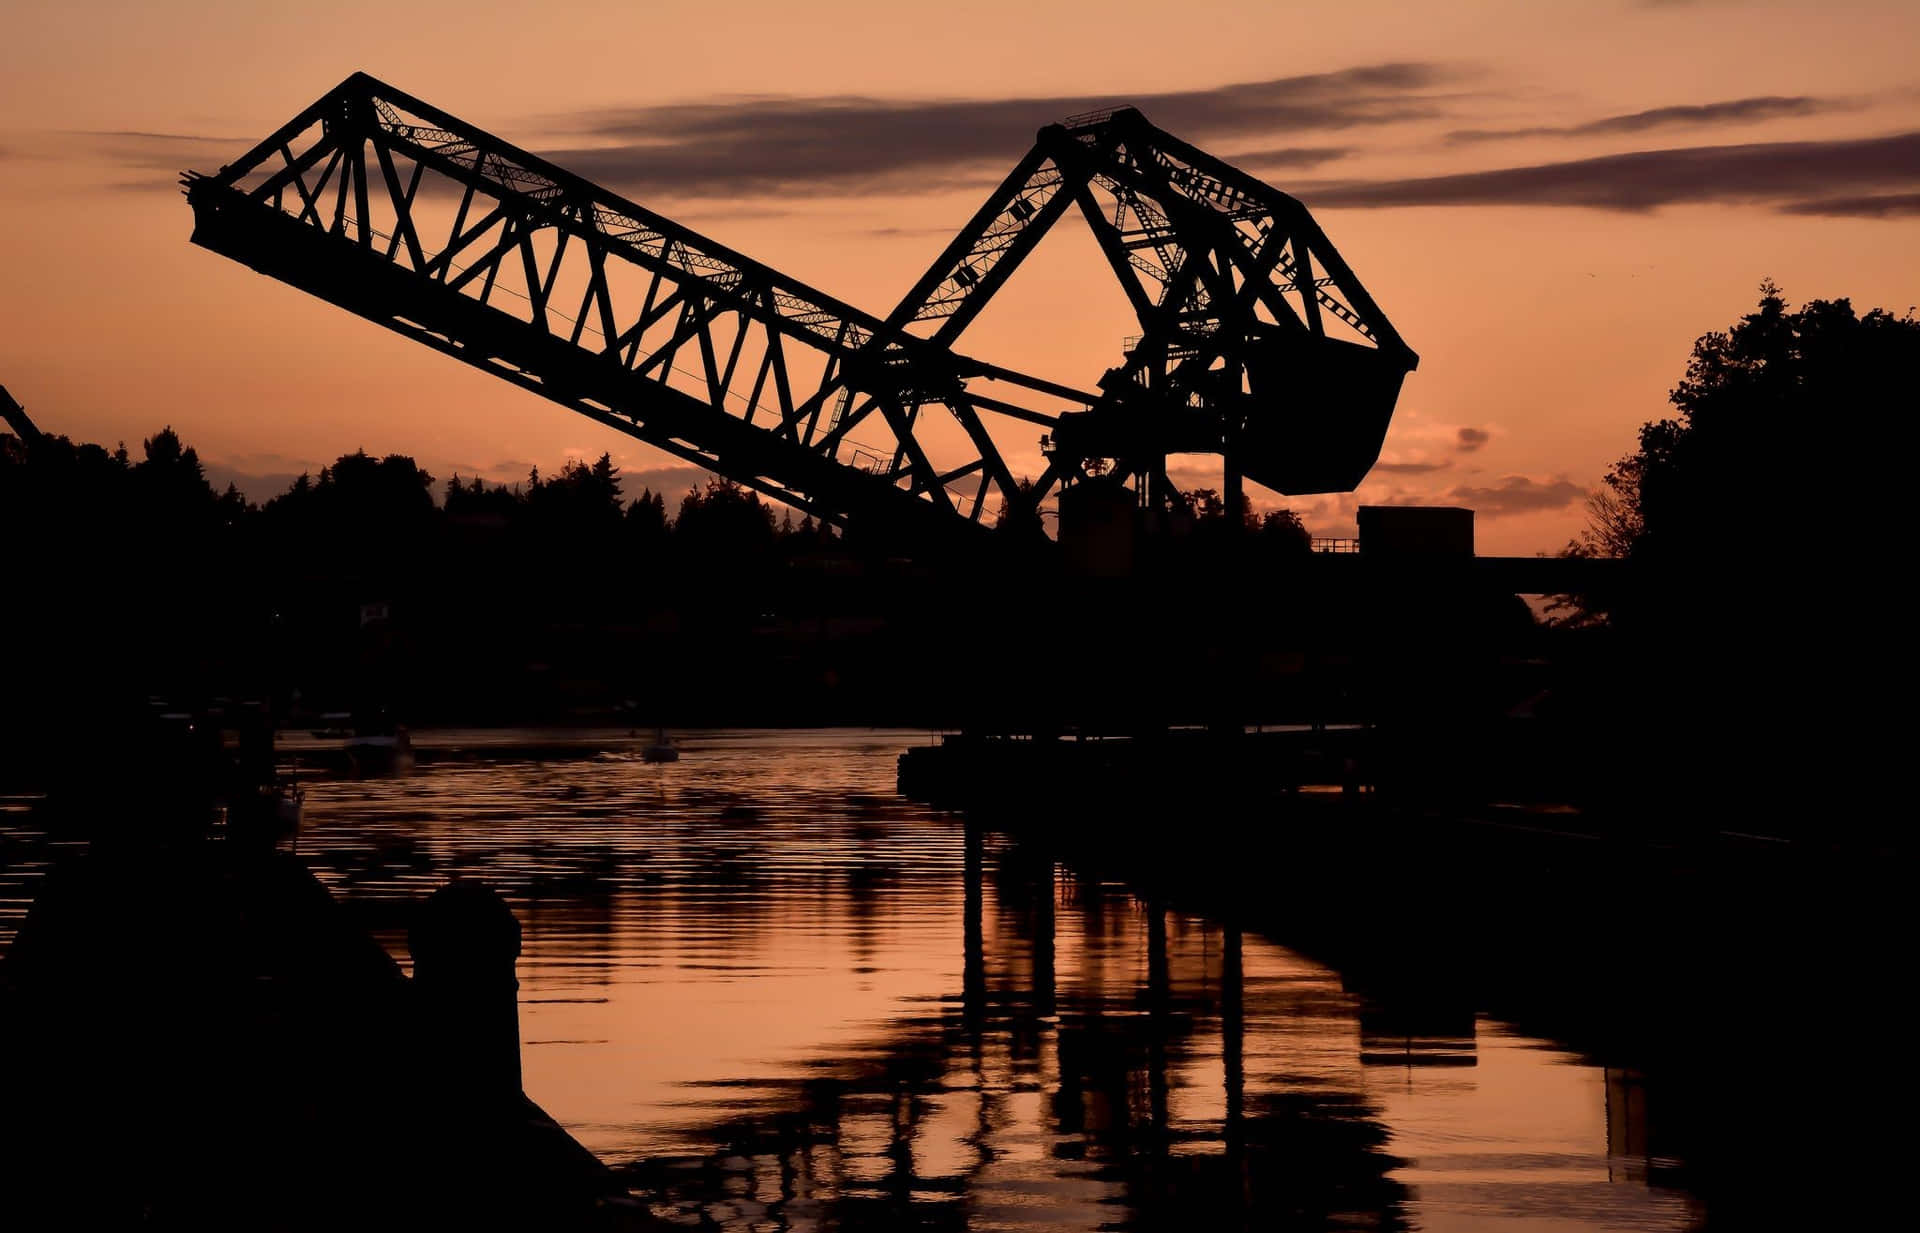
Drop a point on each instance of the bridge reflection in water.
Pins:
(775, 996)
(1092, 1071)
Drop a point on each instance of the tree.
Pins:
(1283, 532)
(1614, 524)
(647, 519)
(165, 453)
(171, 480)
(606, 482)
(1783, 401)
(724, 521)
(1028, 519)
(1752, 521)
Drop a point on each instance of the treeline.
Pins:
(582, 509)
(355, 589)
(373, 586)
(373, 525)
(1750, 653)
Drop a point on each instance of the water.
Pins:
(776, 996)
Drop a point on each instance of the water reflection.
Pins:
(776, 996)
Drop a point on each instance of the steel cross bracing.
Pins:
(387, 206)
(1257, 339)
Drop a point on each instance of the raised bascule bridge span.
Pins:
(1256, 341)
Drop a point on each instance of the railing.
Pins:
(1335, 544)
(1087, 119)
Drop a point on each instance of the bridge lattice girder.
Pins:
(389, 207)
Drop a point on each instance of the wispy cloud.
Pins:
(843, 143)
(670, 482)
(1288, 158)
(1696, 115)
(765, 154)
(1517, 494)
(1467, 440)
(1792, 175)
(155, 159)
(1884, 205)
(149, 138)
(891, 233)
(837, 144)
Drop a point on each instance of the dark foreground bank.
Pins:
(197, 1037)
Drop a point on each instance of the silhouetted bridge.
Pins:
(1256, 342)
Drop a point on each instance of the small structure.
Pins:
(1423, 532)
(464, 943)
(270, 1059)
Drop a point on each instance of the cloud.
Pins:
(1517, 494)
(848, 142)
(1785, 173)
(1885, 205)
(1467, 440)
(1412, 468)
(507, 470)
(150, 138)
(1730, 111)
(158, 157)
(836, 144)
(1287, 158)
(916, 232)
(670, 482)
(257, 487)
(163, 152)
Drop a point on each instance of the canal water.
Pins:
(775, 995)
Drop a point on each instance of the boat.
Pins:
(289, 801)
(334, 725)
(662, 749)
(378, 751)
(265, 812)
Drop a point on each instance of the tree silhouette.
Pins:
(724, 522)
(1004, 517)
(1283, 532)
(1764, 403)
(1749, 521)
(1782, 402)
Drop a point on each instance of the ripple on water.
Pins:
(747, 981)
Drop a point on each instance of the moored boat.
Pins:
(662, 749)
(379, 752)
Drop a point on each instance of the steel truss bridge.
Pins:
(1256, 341)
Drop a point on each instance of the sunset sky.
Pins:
(1549, 200)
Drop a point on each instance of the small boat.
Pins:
(289, 800)
(334, 725)
(266, 813)
(662, 749)
(376, 752)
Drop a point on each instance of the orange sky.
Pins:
(1552, 307)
